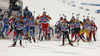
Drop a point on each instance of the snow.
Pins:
(51, 48)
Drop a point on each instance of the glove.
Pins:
(38, 16)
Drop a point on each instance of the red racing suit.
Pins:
(44, 21)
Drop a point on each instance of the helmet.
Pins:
(61, 18)
(73, 17)
(32, 16)
(84, 20)
(19, 14)
(64, 18)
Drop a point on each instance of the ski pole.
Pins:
(25, 41)
(96, 36)
(34, 13)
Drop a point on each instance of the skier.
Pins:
(40, 29)
(1, 34)
(1, 21)
(44, 20)
(6, 25)
(32, 25)
(26, 11)
(77, 30)
(93, 29)
(19, 30)
(71, 24)
(58, 25)
(12, 20)
(25, 29)
(84, 29)
(65, 31)
(49, 32)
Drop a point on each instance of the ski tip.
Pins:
(11, 46)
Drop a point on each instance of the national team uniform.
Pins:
(49, 33)
(65, 31)
(6, 26)
(32, 25)
(44, 21)
(18, 27)
(93, 28)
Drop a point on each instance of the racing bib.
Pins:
(44, 20)
(19, 26)
(64, 28)
(6, 22)
(31, 24)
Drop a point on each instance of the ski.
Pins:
(15, 46)
(11, 46)
(71, 45)
(22, 46)
(62, 45)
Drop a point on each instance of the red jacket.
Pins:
(42, 16)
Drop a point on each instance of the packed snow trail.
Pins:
(49, 48)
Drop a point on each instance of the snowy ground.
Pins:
(51, 48)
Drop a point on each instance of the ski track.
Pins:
(50, 48)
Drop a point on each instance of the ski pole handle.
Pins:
(34, 11)
(88, 14)
(60, 15)
(72, 13)
(43, 9)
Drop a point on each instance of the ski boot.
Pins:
(71, 44)
(45, 37)
(34, 40)
(94, 39)
(41, 38)
(63, 43)
(14, 44)
(20, 42)
(30, 40)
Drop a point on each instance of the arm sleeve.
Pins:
(39, 17)
(95, 27)
(49, 17)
